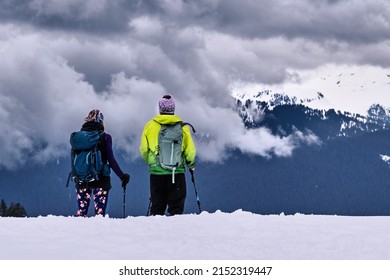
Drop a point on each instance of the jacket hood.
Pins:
(167, 119)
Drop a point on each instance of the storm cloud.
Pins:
(61, 59)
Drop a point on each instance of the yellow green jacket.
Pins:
(149, 144)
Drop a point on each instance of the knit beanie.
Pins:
(167, 105)
(95, 116)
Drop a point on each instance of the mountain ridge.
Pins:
(343, 88)
(256, 110)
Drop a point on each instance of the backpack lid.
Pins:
(85, 140)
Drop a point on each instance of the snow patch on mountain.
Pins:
(358, 96)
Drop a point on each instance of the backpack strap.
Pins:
(186, 123)
(101, 144)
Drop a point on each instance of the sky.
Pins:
(196, 241)
(60, 59)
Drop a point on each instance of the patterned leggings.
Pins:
(100, 197)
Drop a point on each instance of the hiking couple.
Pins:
(167, 183)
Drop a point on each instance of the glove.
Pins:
(191, 166)
(125, 180)
(192, 171)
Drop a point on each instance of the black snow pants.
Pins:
(165, 194)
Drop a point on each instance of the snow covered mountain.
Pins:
(342, 88)
(357, 100)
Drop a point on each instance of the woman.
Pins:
(100, 188)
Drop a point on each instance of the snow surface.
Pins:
(209, 236)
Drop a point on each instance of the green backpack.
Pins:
(170, 140)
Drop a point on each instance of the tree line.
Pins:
(14, 210)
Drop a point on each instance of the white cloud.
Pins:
(146, 27)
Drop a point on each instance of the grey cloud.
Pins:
(346, 25)
(97, 16)
(350, 21)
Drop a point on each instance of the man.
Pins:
(167, 186)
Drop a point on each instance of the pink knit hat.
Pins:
(167, 105)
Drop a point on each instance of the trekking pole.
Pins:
(67, 181)
(124, 200)
(149, 207)
(196, 190)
